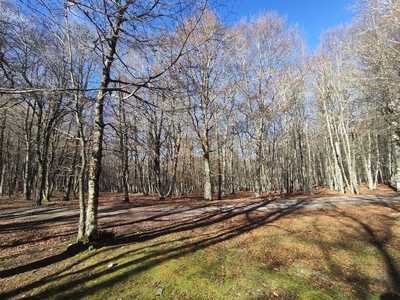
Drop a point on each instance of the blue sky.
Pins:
(312, 16)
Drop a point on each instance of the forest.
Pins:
(165, 99)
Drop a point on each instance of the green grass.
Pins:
(267, 263)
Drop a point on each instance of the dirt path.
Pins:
(21, 216)
(29, 234)
(33, 240)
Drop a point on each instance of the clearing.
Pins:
(304, 247)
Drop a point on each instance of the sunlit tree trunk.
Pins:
(96, 153)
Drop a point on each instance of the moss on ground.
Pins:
(302, 257)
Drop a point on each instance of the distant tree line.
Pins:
(161, 97)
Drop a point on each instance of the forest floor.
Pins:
(320, 246)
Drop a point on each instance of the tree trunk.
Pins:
(28, 171)
(98, 130)
(395, 179)
(81, 184)
(258, 162)
(28, 178)
(2, 152)
(207, 176)
(95, 164)
(70, 179)
(220, 169)
(123, 140)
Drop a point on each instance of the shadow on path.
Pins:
(152, 259)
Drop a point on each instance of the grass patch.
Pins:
(306, 256)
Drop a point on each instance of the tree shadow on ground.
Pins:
(356, 279)
(152, 258)
(23, 212)
(68, 253)
(379, 238)
(72, 220)
(23, 241)
(173, 211)
(72, 282)
(377, 233)
(42, 219)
